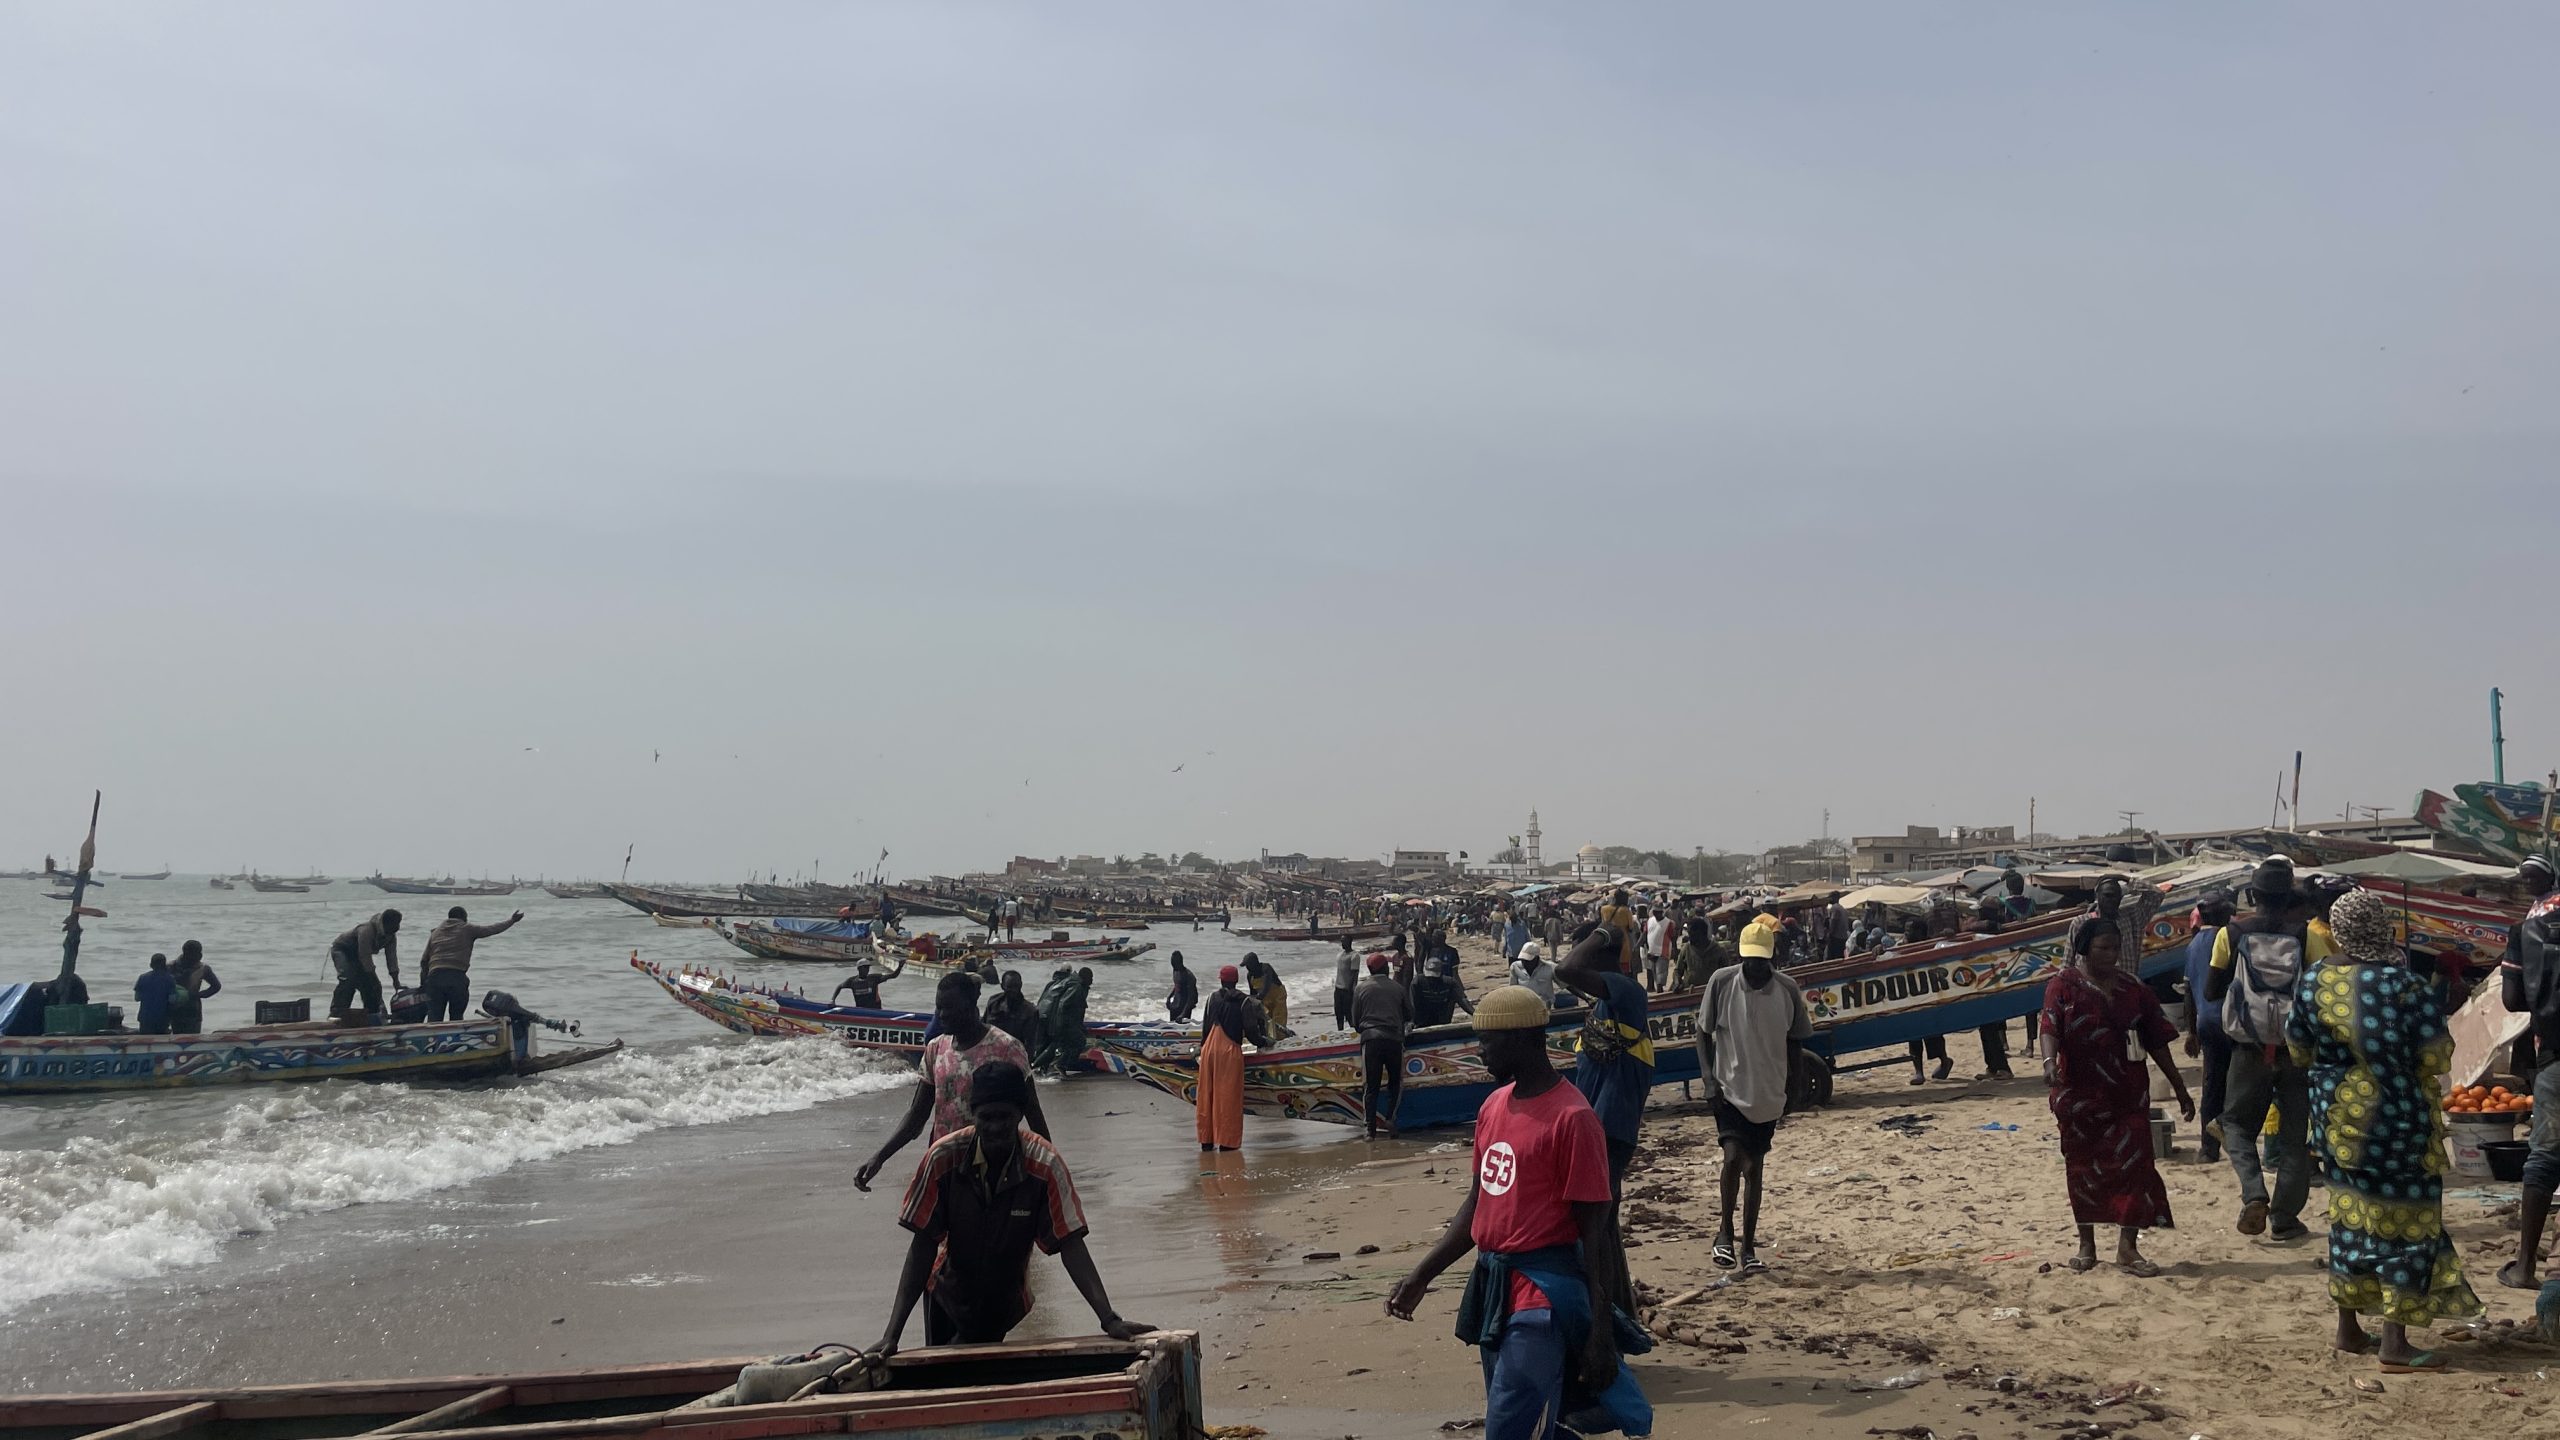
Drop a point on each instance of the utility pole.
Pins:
(2031, 819)
(2128, 817)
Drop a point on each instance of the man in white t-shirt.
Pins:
(1751, 1023)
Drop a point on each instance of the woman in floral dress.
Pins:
(2100, 1099)
(2373, 1035)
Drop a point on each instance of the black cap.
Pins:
(2274, 878)
(999, 1081)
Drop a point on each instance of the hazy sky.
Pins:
(927, 426)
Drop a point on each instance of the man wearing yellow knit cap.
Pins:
(1538, 1217)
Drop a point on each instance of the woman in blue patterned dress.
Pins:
(2373, 1035)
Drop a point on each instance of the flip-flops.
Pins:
(1723, 1255)
(2140, 1269)
(2422, 1363)
(1752, 1264)
(2083, 1264)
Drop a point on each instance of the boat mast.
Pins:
(79, 890)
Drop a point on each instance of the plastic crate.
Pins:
(284, 1012)
(77, 1019)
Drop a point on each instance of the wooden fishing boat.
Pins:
(277, 887)
(1866, 1002)
(685, 922)
(958, 955)
(161, 874)
(218, 883)
(1356, 932)
(446, 886)
(577, 892)
(1146, 1389)
(837, 941)
(778, 1013)
(474, 1049)
(686, 904)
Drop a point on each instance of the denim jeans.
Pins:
(2217, 1083)
(1524, 1379)
(2257, 1082)
(2542, 1163)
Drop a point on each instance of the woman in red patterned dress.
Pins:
(2100, 1099)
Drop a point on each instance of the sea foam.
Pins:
(101, 1213)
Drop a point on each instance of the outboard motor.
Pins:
(499, 1005)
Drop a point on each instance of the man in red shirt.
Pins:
(1538, 1207)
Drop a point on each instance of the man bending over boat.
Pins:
(352, 955)
(983, 1197)
(965, 1043)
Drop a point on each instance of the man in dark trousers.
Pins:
(351, 955)
(2258, 962)
(1381, 1011)
(2529, 983)
(445, 964)
(982, 1198)
(2206, 1039)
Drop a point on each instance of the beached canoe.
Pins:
(476, 1049)
(1146, 1389)
(1356, 932)
(1866, 1002)
(777, 1013)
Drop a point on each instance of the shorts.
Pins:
(1735, 1128)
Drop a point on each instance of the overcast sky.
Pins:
(926, 427)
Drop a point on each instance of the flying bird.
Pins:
(1178, 768)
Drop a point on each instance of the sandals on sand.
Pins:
(1752, 1264)
(1723, 1255)
(2424, 1362)
(2083, 1264)
(2140, 1269)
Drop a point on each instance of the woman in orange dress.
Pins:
(1227, 1021)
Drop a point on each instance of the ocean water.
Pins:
(99, 1195)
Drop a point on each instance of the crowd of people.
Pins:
(2323, 1044)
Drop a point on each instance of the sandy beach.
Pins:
(1933, 1251)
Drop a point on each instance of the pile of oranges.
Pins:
(2487, 1100)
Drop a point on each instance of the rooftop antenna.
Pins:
(2128, 817)
(2497, 736)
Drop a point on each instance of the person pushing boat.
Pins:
(985, 1194)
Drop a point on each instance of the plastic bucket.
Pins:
(2468, 1133)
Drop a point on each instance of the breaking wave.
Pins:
(98, 1213)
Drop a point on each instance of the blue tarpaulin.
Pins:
(827, 929)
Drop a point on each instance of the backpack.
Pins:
(2540, 962)
(2266, 966)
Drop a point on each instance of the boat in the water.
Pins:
(315, 881)
(475, 1049)
(218, 883)
(778, 1013)
(1356, 932)
(685, 922)
(265, 886)
(972, 955)
(578, 892)
(1142, 1389)
(1865, 1002)
(447, 886)
(161, 874)
(785, 938)
(687, 904)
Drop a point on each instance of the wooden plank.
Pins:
(378, 1397)
(166, 1423)
(481, 1402)
(815, 1414)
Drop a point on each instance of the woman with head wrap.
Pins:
(2101, 1103)
(1230, 1018)
(2372, 1033)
